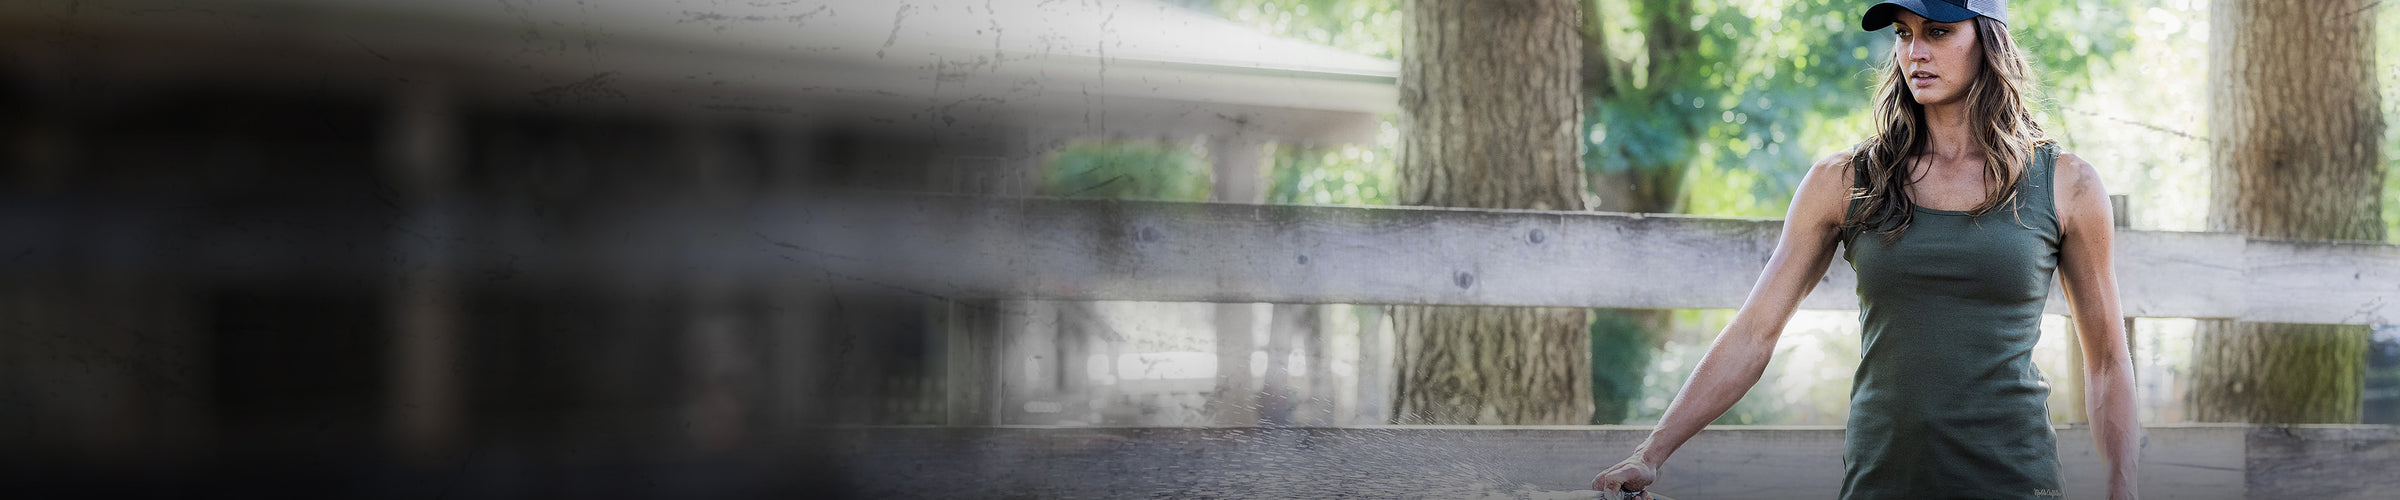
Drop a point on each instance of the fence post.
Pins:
(1236, 165)
(970, 347)
(418, 154)
(1372, 399)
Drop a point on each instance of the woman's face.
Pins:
(1936, 59)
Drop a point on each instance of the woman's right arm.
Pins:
(1811, 231)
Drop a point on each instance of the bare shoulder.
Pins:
(1838, 162)
(1823, 195)
(2076, 180)
(2081, 199)
(1834, 170)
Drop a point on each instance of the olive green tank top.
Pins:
(1947, 402)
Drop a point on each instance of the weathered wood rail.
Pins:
(956, 246)
(2195, 461)
(1064, 249)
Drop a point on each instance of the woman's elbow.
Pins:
(2108, 369)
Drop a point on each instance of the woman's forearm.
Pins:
(1733, 364)
(2116, 429)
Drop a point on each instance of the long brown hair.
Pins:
(1996, 100)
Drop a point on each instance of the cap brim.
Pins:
(1881, 14)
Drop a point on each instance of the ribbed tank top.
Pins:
(1946, 402)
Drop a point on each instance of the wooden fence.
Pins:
(970, 247)
(978, 247)
(2193, 461)
(1119, 250)
(1091, 250)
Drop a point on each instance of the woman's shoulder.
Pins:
(2075, 178)
(1839, 158)
(2078, 194)
(1840, 166)
(1825, 194)
(1838, 161)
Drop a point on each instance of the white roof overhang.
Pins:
(1095, 66)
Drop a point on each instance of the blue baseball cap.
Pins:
(1940, 11)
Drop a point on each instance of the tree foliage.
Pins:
(1370, 27)
(1677, 82)
(1747, 93)
(1738, 95)
(1126, 170)
(1349, 175)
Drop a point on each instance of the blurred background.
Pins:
(529, 247)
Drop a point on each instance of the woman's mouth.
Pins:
(1921, 79)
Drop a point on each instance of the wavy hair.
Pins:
(1997, 112)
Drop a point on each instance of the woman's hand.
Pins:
(1630, 475)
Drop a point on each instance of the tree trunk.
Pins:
(2295, 129)
(1491, 111)
(2278, 373)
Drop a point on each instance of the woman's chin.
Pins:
(1933, 100)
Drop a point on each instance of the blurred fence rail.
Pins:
(944, 246)
(2196, 461)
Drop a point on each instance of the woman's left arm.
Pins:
(2087, 237)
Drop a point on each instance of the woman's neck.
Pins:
(1948, 137)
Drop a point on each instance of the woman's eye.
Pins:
(1940, 32)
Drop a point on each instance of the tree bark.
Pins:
(2293, 106)
(1490, 113)
(2278, 373)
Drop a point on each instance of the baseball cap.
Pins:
(1941, 11)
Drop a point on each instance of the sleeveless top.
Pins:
(1946, 402)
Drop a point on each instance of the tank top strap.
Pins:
(2035, 188)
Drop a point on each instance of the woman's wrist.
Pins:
(1649, 456)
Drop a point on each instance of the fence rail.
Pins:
(2198, 461)
(957, 246)
(1090, 250)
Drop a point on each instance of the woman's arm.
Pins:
(2087, 233)
(1811, 230)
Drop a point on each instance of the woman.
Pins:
(1955, 215)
